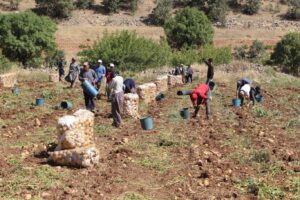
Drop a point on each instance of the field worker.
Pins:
(108, 76)
(189, 74)
(73, 72)
(90, 75)
(210, 70)
(240, 83)
(117, 99)
(202, 96)
(251, 95)
(101, 72)
(129, 86)
(61, 68)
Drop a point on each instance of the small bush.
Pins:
(128, 51)
(112, 5)
(84, 4)
(189, 28)
(186, 56)
(257, 49)
(241, 52)
(293, 12)
(14, 4)
(56, 8)
(162, 11)
(5, 64)
(287, 53)
(261, 157)
(219, 55)
(252, 6)
(217, 11)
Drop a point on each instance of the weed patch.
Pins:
(132, 196)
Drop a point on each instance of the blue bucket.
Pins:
(89, 88)
(147, 123)
(16, 91)
(185, 113)
(66, 105)
(236, 102)
(259, 98)
(39, 102)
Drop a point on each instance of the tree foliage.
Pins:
(26, 37)
(5, 64)
(287, 53)
(189, 28)
(113, 6)
(84, 4)
(294, 10)
(128, 51)
(56, 8)
(252, 6)
(162, 11)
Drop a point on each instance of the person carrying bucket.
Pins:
(90, 75)
(116, 87)
(202, 96)
(101, 72)
(210, 70)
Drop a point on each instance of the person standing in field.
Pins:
(73, 72)
(210, 70)
(109, 78)
(101, 72)
(189, 74)
(61, 68)
(117, 99)
(90, 75)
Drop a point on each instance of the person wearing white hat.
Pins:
(101, 72)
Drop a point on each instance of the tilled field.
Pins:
(241, 153)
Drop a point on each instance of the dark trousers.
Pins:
(189, 78)
(207, 105)
(117, 108)
(89, 102)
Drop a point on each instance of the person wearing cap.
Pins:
(90, 75)
(108, 76)
(117, 101)
(101, 72)
(73, 72)
(129, 86)
(202, 96)
(210, 70)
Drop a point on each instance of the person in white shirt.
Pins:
(116, 87)
(244, 92)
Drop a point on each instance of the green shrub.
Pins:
(257, 49)
(287, 53)
(219, 55)
(26, 37)
(56, 8)
(128, 51)
(294, 10)
(14, 4)
(112, 5)
(186, 57)
(217, 11)
(252, 6)
(84, 4)
(162, 11)
(189, 28)
(5, 64)
(241, 52)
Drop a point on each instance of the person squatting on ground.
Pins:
(129, 86)
(189, 74)
(61, 68)
(116, 87)
(101, 72)
(109, 78)
(90, 75)
(202, 95)
(246, 91)
(210, 70)
(73, 72)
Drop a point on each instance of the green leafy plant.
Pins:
(84, 4)
(189, 28)
(56, 8)
(5, 64)
(293, 12)
(252, 6)
(260, 112)
(162, 11)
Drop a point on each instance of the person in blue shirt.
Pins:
(100, 71)
(129, 86)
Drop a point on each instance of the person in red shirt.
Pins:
(202, 96)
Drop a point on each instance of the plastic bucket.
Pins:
(39, 102)
(184, 92)
(16, 91)
(185, 113)
(147, 123)
(66, 105)
(89, 88)
(259, 98)
(160, 97)
(236, 102)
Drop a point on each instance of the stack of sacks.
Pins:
(175, 80)
(8, 80)
(162, 83)
(147, 92)
(131, 105)
(54, 78)
(76, 145)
